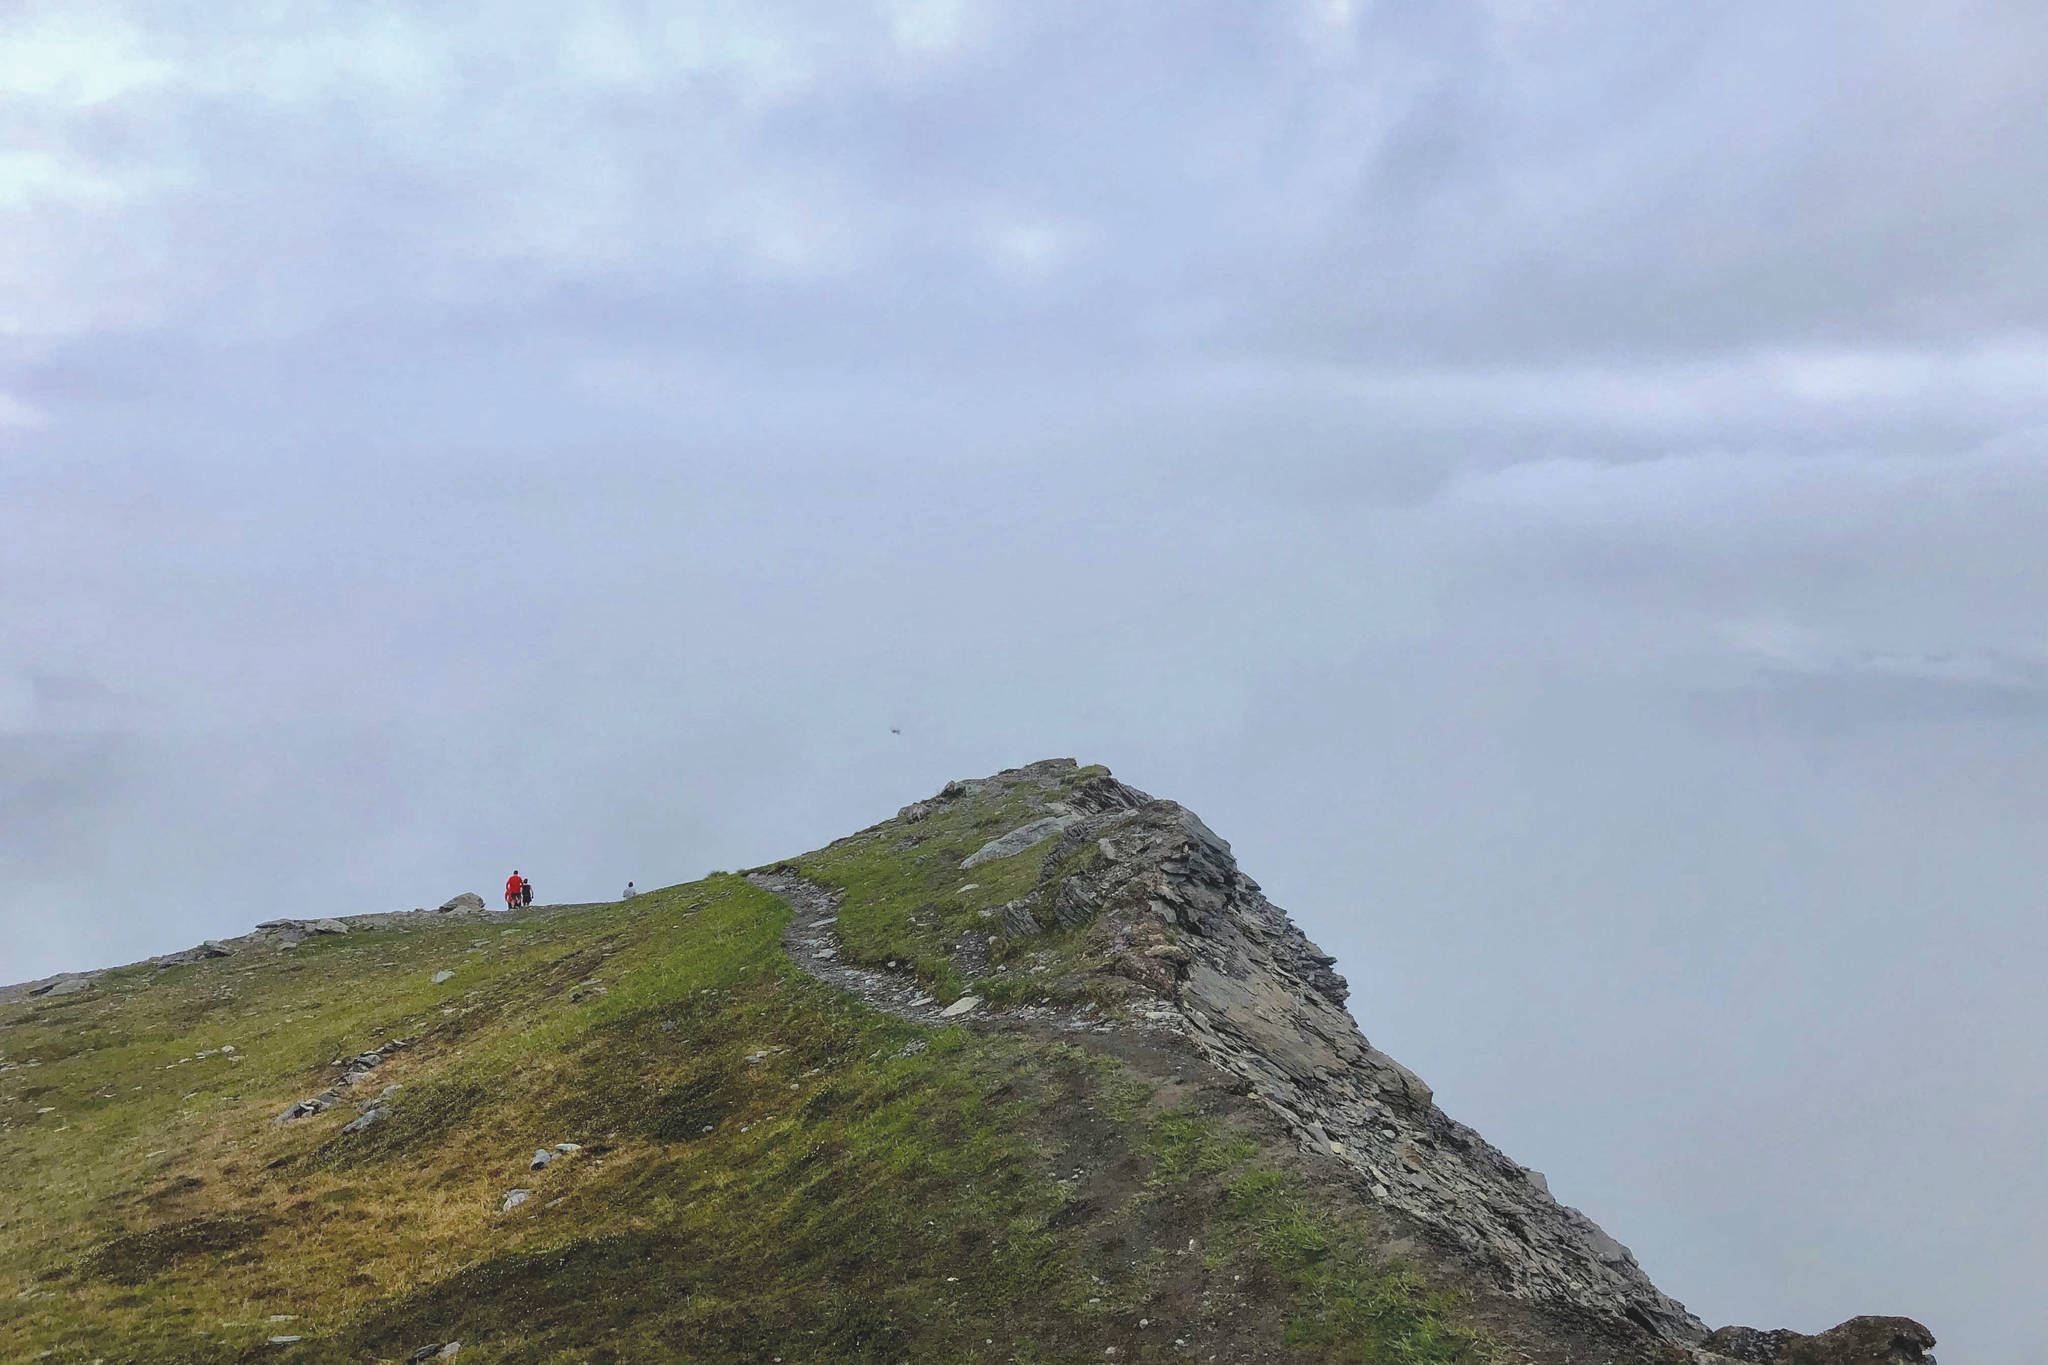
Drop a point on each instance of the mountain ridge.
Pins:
(1087, 915)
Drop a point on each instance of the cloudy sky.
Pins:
(1562, 487)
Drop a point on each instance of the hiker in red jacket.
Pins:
(513, 886)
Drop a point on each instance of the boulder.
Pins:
(368, 1117)
(1017, 840)
(468, 900)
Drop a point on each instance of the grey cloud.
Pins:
(1889, 691)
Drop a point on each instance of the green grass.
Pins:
(909, 902)
(1350, 1304)
(842, 1197)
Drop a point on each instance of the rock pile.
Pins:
(353, 1070)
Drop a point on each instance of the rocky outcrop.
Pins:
(1184, 928)
(69, 984)
(1182, 934)
(1859, 1341)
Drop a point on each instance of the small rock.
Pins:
(541, 1157)
(284, 1341)
(912, 1048)
(756, 1058)
(513, 1199)
(437, 1351)
(368, 1117)
(327, 926)
(966, 1004)
(568, 1148)
(441, 976)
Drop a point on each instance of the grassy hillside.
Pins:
(762, 1168)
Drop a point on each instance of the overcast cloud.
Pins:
(1561, 487)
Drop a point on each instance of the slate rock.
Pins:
(541, 1157)
(966, 1004)
(441, 976)
(1017, 840)
(368, 1117)
(513, 1199)
(1018, 921)
(327, 926)
(305, 1109)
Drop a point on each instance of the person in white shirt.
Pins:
(629, 892)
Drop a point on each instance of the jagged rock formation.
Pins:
(1186, 935)
(1859, 1341)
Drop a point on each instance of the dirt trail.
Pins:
(811, 939)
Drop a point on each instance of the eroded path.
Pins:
(811, 939)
